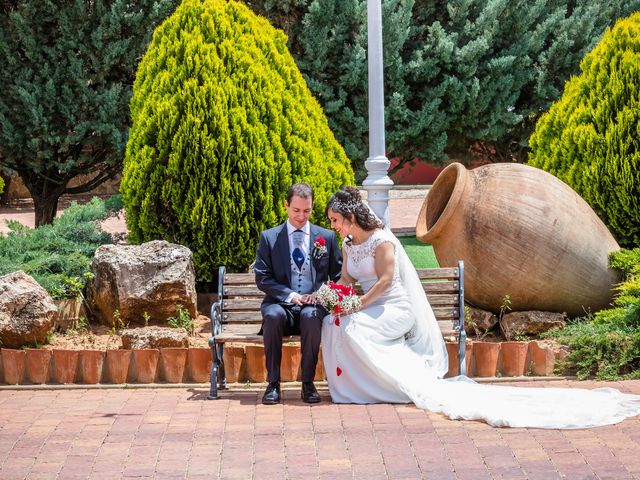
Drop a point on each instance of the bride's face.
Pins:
(339, 223)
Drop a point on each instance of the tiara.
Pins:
(345, 206)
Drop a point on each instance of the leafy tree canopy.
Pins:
(66, 70)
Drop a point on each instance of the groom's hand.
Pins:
(298, 299)
(309, 299)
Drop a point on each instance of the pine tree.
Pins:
(460, 75)
(590, 138)
(66, 70)
(222, 124)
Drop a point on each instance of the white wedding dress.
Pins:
(392, 351)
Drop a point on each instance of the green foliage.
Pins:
(590, 137)
(459, 74)
(607, 344)
(66, 70)
(182, 320)
(1, 185)
(58, 256)
(223, 124)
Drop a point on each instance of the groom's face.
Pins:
(299, 210)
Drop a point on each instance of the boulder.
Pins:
(27, 312)
(152, 278)
(478, 322)
(531, 322)
(153, 337)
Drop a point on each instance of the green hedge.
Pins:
(607, 345)
(58, 256)
(590, 138)
(222, 124)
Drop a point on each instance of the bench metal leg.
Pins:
(217, 370)
(462, 352)
(222, 375)
(213, 376)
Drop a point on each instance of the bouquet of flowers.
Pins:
(337, 298)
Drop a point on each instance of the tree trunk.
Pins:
(45, 208)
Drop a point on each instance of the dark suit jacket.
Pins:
(273, 262)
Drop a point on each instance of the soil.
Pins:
(100, 337)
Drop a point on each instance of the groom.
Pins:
(293, 260)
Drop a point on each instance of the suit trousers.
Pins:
(286, 319)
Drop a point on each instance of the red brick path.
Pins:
(176, 433)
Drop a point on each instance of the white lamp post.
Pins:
(377, 184)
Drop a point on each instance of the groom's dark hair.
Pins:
(302, 190)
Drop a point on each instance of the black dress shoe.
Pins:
(271, 394)
(309, 393)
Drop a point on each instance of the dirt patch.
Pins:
(101, 337)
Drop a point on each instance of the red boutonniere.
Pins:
(319, 247)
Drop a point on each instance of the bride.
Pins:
(392, 351)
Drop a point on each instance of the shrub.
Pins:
(607, 344)
(222, 124)
(1, 185)
(58, 256)
(589, 138)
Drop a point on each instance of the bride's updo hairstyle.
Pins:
(348, 203)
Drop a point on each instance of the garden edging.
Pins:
(189, 366)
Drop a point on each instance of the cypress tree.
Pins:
(590, 138)
(66, 70)
(222, 124)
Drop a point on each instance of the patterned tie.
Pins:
(298, 254)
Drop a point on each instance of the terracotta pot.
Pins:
(454, 358)
(290, 365)
(145, 364)
(38, 361)
(542, 359)
(65, 365)
(513, 358)
(256, 369)
(521, 232)
(118, 365)
(320, 375)
(13, 365)
(485, 355)
(173, 363)
(91, 362)
(234, 364)
(199, 364)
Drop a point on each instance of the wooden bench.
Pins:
(236, 317)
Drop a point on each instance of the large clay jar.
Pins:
(521, 232)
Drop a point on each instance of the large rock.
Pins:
(154, 337)
(530, 323)
(27, 312)
(154, 277)
(478, 322)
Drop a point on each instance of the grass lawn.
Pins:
(420, 254)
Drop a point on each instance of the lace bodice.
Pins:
(361, 259)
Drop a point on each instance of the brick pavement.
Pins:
(176, 433)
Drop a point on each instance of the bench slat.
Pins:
(435, 273)
(252, 291)
(231, 304)
(234, 304)
(239, 279)
(242, 291)
(255, 317)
